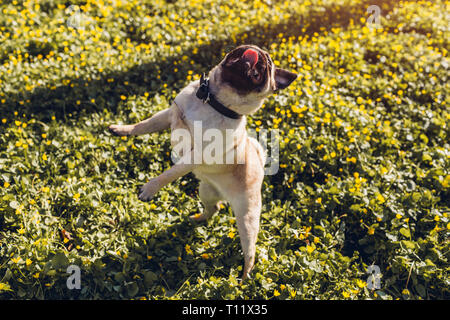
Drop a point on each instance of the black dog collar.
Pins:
(204, 94)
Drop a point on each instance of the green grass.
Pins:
(364, 157)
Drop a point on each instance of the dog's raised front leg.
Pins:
(158, 122)
(182, 167)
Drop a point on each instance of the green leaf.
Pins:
(7, 276)
(60, 261)
(421, 290)
(132, 289)
(149, 278)
(426, 157)
(405, 232)
(408, 244)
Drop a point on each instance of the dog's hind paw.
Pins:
(198, 217)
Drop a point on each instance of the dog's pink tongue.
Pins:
(252, 56)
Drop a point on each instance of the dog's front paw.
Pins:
(120, 130)
(148, 190)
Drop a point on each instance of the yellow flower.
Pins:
(6, 184)
(123, 97)
(4, 287)
(188, 249)
(205, 256)
(345, 294)
(44, 157)
(319, 200)
(28, 262)
(380, 198)
(371, 231)
(16, 260)
(351, 159)
(282, 287)
(361, 283)
(231, 234)
(76, 196)
(276, 293)
(310, 249)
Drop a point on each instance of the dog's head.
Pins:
(249, 70)
(245, 77)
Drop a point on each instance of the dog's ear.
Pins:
(283, 78)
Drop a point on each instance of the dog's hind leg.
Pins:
(247, 209)
(160, 121)
(210, 198)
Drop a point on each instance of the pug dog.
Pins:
(235, 88)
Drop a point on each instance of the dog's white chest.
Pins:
(201, 128)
